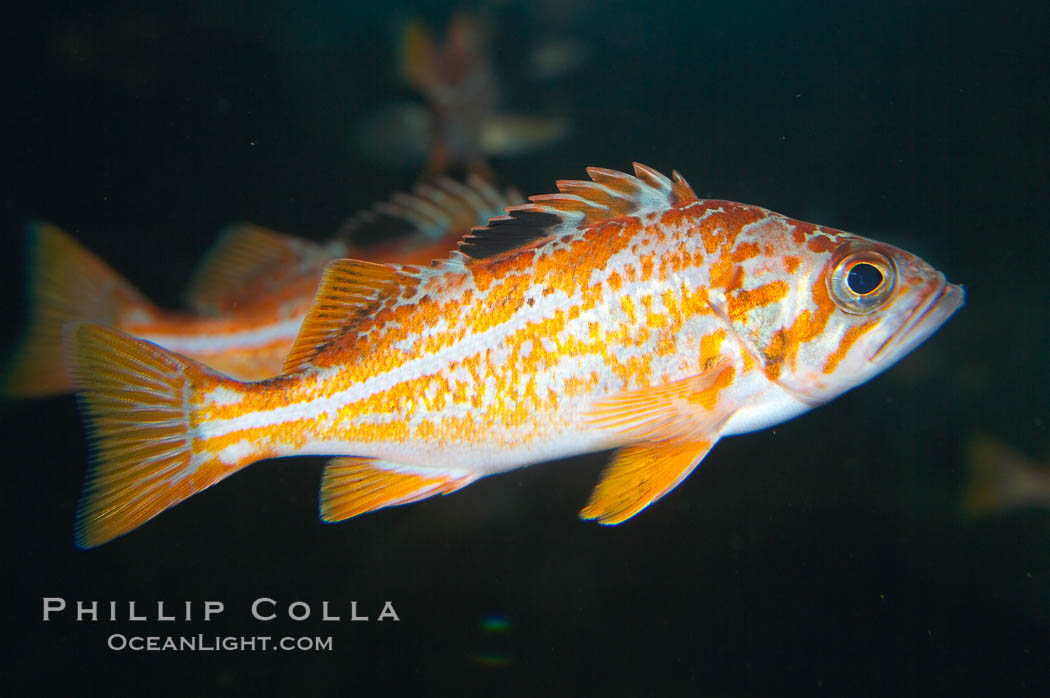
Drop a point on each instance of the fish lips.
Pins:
(925, 319)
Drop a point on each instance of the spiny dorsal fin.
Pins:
(348, 291)
(431, 212)
(243, 255)
(609, 194)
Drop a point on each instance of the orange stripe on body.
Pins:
(809, 325)
(849, 338)
(743, 302)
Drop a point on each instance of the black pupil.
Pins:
(863, 278)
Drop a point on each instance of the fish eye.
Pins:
(862, 279)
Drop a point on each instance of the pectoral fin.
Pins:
(690, 409)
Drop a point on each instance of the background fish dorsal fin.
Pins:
(243, 255)
(609, 194)
(431, 212)
(349, 291)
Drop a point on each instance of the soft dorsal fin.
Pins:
(609, 194)
(348, 291)
(432, 211)
(242, 256)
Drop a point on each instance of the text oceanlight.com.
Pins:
(217, 643)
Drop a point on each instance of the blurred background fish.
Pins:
(249, 295)
(1002, 480)
(461, 123)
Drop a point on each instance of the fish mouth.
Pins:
(927, 317)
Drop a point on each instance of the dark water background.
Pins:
(826, 556)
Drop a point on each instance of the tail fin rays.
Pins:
(137, 402)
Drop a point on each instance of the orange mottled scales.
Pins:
(622, 312)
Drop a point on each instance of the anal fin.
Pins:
(352, 486)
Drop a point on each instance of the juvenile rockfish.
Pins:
(247, 299)
(621, 313)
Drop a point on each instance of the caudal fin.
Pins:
(66, 283)
(140, 405)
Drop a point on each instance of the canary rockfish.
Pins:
(623, 312)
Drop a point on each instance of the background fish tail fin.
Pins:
(66, 283)
(138, 402)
